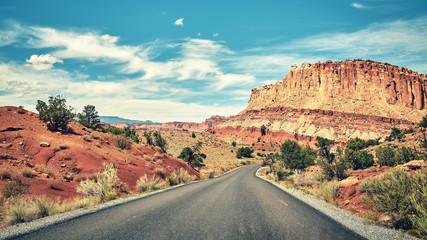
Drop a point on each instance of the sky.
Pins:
(188, 60)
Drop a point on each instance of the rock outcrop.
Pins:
(337, 100)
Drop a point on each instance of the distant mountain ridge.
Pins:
(115, 119)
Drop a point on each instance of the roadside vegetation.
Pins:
(399, 196)
(16, 206)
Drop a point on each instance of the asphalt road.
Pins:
(235, 206)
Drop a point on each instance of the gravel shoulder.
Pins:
(352, 222)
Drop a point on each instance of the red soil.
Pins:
(71, 155)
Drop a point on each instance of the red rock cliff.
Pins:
(363, 87)
(336, 100)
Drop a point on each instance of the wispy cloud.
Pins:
(358, 5)
(215, 35)
(179, 22)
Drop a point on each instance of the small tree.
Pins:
(244, 152)
(57, 114)
(296, 157)
(233, 144)
(386, 156)
(89, 117)
(423, 126)
(193, 156)
(324, 146)
(147, 135)
(160, 141)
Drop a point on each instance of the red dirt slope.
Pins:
(59, 160)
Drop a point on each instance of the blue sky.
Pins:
(188, 60)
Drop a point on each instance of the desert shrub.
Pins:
(193, 135)
(296, 157)
(337, 168)
(110, 196)
(145, 183)
(329, 190)
(159, 141)
(57, 114)
(20, 210)
(14, 188)
(193, 156)
(49, 170)
(233, 144)
(43, 205)
(324, 146)
(244, 152)
(126, 133)
(27, 172)
(408, 131)
(405, 154)
(359, 159)
(122, 143)
(89, 117)
(7, 173)
(400, 195)
(104, 183)
(386, 156)
(395, 134)
(419, 219)
(306, 179)
(211, 174)
(179, 176)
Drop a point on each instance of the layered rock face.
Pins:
(207, 124)
(337, 100)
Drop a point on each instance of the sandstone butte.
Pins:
(336, 100)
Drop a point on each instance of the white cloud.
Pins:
(42, 62)
(179, 22)
(215, 35)
(198, 34)
(358, 5)
(90, 46)
(230, 79)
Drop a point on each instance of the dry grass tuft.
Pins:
(146, 184)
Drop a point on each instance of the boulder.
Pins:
(414, 164)
(44, 144)
(348, 182)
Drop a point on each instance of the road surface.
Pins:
(234, 206)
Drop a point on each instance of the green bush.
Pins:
(395, 134)
(57, 114)
(122, 143)
(400, 195)
(211, 174)
(159, 141)
(233, 144)
(359, 159)
(244, 152)
(386, 156)
(89, 117)
(337, 168)
(193, 156)
(193, 135)
(296, 157)
(324, 146)
(126, 133)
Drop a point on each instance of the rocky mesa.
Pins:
(336, 100)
